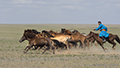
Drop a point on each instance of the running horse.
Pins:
(110, 39)
(58, 36)
(36, 41)
(78, 37)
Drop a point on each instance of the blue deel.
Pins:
(102, 33)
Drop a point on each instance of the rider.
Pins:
(103, 34)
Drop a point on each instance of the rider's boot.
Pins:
(104, 40)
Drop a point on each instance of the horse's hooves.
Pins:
(53, 52)
(24, 52)
(113, 49)
(105, 48)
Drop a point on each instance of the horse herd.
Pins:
(65, 39)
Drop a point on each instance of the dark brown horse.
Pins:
(36, 41)
(110, 39)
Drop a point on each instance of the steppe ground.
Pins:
(12, 56)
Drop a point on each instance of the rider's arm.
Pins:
(98, 27)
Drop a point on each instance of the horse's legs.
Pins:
(88, 44)
(83, 45)
(59, 49)
(28, 48)
(70, 45)
(114, 44)
(67, 45)
(25, 49)
(53, 49)
(76, 45)
(80, 45)
(91, 44)
(45, 49)
(52, 46)
(103, 47)
(40, 47)
(95, 44)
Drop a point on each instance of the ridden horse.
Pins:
(36, 41)
(110, 39)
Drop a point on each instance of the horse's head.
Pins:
(27, 35)
(68, 32)
(75, 32)
(63, 30)
(90, 35)
(51, 31)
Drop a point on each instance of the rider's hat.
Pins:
(99, 21)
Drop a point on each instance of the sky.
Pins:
(59, 11)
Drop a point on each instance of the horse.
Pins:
(36, 41)
(78, 37)
(57, 36)
(110, 39)
(91, 39)
(66, 32)
(56, 43)
(38, 34)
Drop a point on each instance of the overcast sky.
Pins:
(59, 11)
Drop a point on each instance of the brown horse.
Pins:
(66, 32)
(36, 41)
(110, 39)
(77, 37)
(91, 40)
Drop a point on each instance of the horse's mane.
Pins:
(94, 33)
(35, 31)
(68, 32)
(47, 33)
(74, 31)
(51, 31)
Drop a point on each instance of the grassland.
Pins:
(12, 56)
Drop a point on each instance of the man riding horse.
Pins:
(103, 34)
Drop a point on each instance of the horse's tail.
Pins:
(48, 34)
(117, 39)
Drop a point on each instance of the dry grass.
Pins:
(11, 55)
